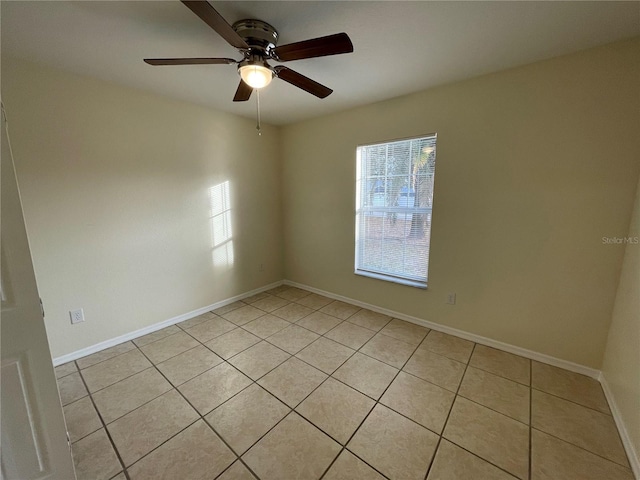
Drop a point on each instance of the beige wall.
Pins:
(116, 191)
(534, 166)
(621, 367)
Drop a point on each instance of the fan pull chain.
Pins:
(258, 111)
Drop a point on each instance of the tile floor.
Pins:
(292, 385)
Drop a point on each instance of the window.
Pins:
(394, 198)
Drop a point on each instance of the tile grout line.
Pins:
(484, 460)
(118, 418)
(106, 359)
(376, 401)
(583, 449)
(377, 359)
(292, 410)
(238, 457)
(471, 400)
(457, 394)
(264, 374)
(204, 344)
(153, 365)
(122, 379)
(271, 344)
(135, 346)
(104, 426)
(263, 435)
(322, 335)
(165, 441)
(232, 356)
(571, 401)
(301, 326)
(328, 374)
(173, 387)
(200, 417)
(530, 386)
(65, 376)
(446, 421)
(497, 374)
(71, 442)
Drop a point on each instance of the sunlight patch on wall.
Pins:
(221, 232)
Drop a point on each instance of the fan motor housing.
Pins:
(259, 35)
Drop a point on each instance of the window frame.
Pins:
(407, 280)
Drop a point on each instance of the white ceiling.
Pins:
(400, 47)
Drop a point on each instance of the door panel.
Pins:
(34, 438)
(18, 423)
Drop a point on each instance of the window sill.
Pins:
(387, 278)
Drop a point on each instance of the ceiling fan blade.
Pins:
(316, 47)
(300, 81)
(211, 17)
(189, 61)
(243, 92)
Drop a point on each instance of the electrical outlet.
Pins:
(261, 267)
(451, 298)
(77, 316)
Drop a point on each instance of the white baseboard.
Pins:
(156, 326)
(632, 454)
(523, 352)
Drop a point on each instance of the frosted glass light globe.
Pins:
(256, 76)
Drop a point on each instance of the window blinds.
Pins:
(394, 202)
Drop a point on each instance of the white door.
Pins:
(34, 439)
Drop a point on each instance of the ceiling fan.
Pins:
(257, 42)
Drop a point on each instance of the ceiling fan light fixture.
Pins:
(255, 75)
(257, 42)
